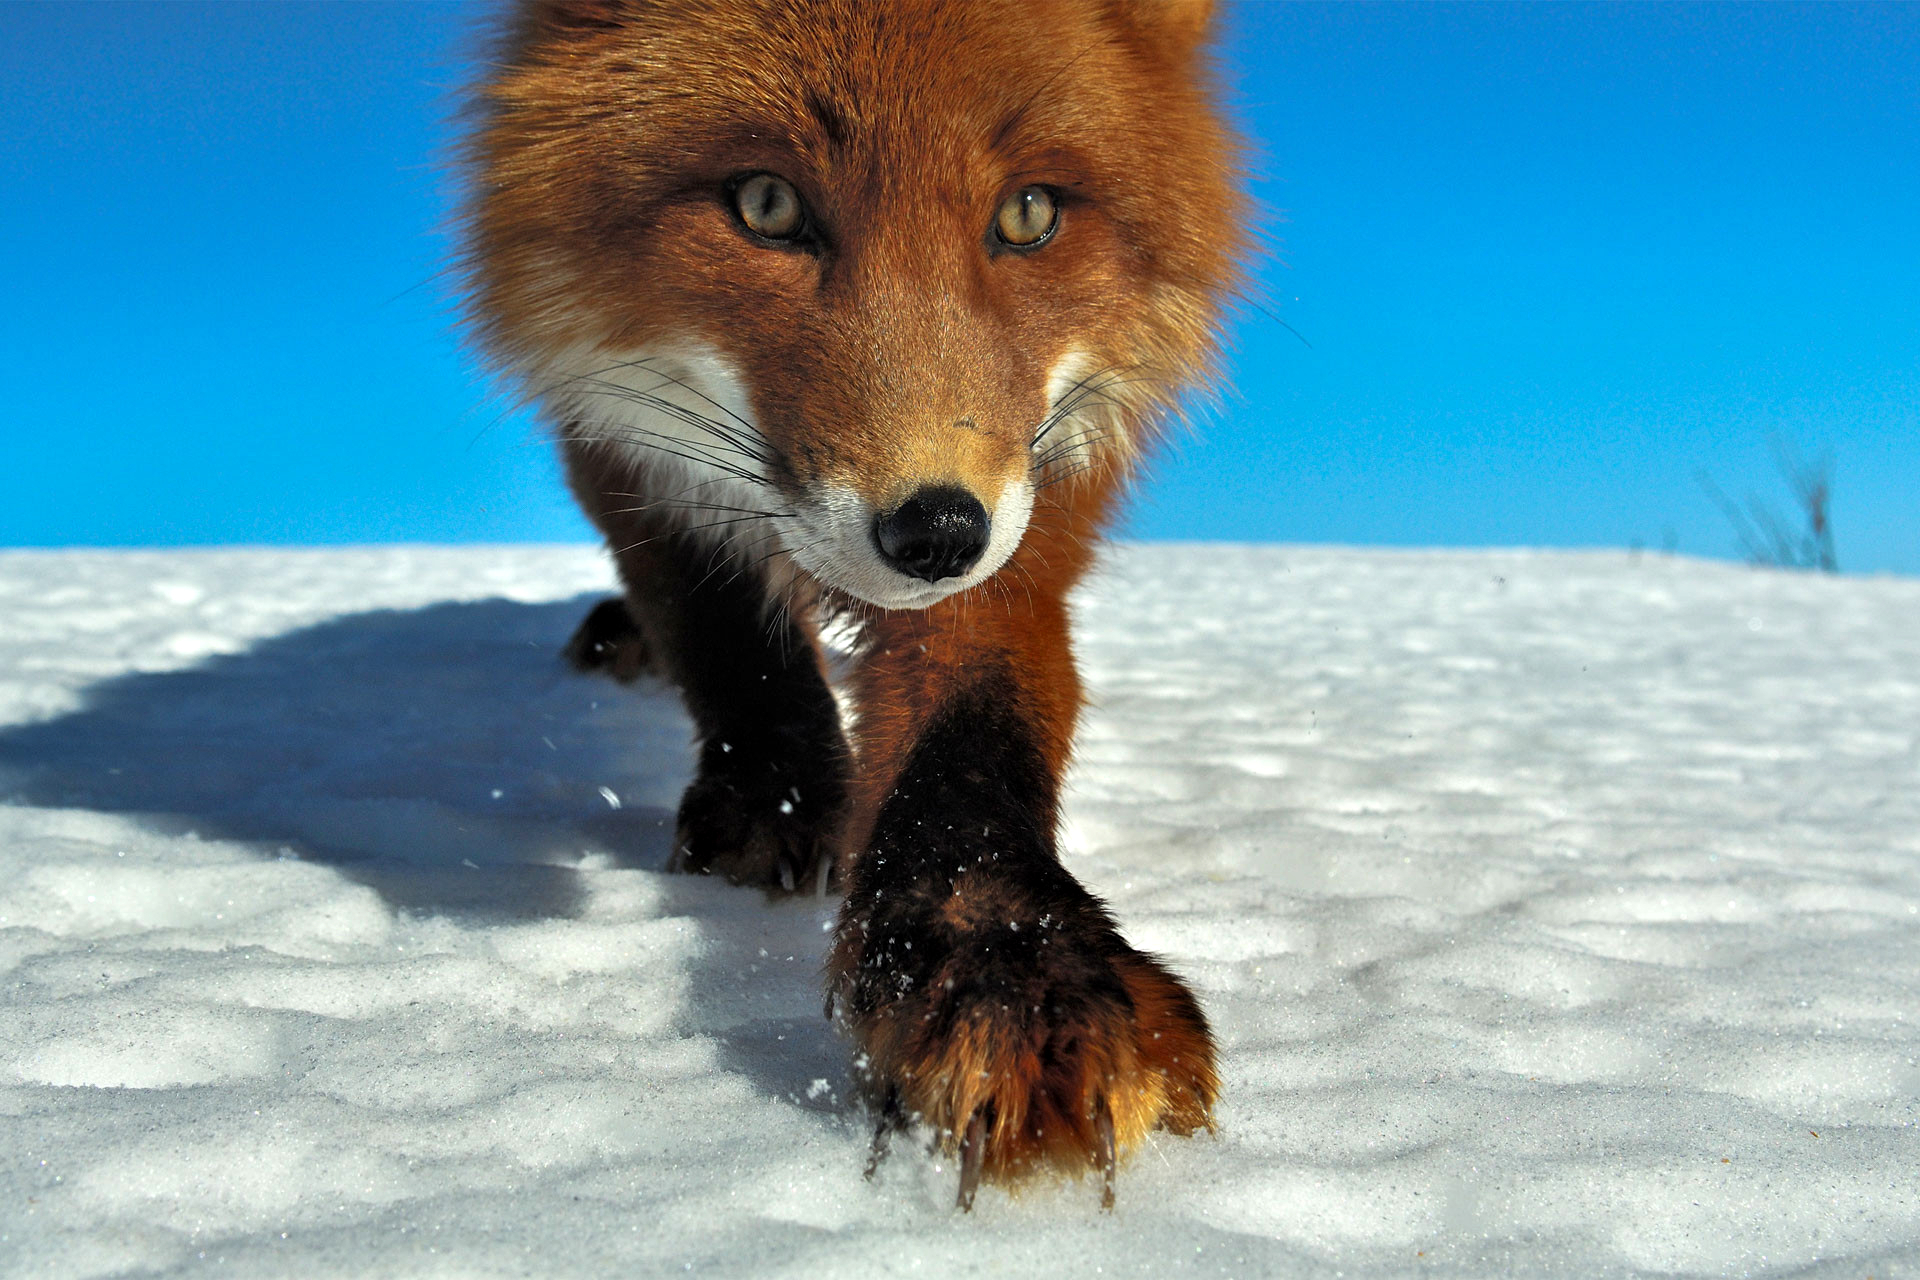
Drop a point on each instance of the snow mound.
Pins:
(1558, 914)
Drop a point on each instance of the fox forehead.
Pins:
(823, 71)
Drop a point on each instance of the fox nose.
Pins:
(937, 533)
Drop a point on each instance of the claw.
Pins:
(1103, 1156)
(973, 1151)
(890, 1119)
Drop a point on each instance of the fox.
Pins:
(860, 317)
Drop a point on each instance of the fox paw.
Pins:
(757, 819)
(1022, 1029)
(608, 642)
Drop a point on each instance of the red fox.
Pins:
(869, 309)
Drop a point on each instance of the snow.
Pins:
(1558, 913)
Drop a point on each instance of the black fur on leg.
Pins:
(766, 805)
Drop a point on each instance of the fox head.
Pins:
(879, 273)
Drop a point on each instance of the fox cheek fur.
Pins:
(870, 309)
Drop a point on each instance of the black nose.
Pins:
(937, 533)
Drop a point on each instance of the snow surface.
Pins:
(1558, 914)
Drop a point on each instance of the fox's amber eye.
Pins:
(770, 207)
(1026, 218)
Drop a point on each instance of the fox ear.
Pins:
(1177, 25)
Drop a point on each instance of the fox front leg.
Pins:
(990, 994)
(766, 802)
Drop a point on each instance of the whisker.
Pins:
(681, 531)
(1063, 409)
(731, 439)
(667, 497)
(1093, 385)
(680, 505)
(1059, 449)
(1063, 476)
(724, 553)
(623, 433)
(649, 366)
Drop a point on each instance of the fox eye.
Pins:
(770, 207)
(1026, 218)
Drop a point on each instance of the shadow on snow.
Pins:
(447, 758)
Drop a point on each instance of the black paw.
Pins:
(607, 642)
(767, 816)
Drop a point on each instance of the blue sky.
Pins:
(1550, 264)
